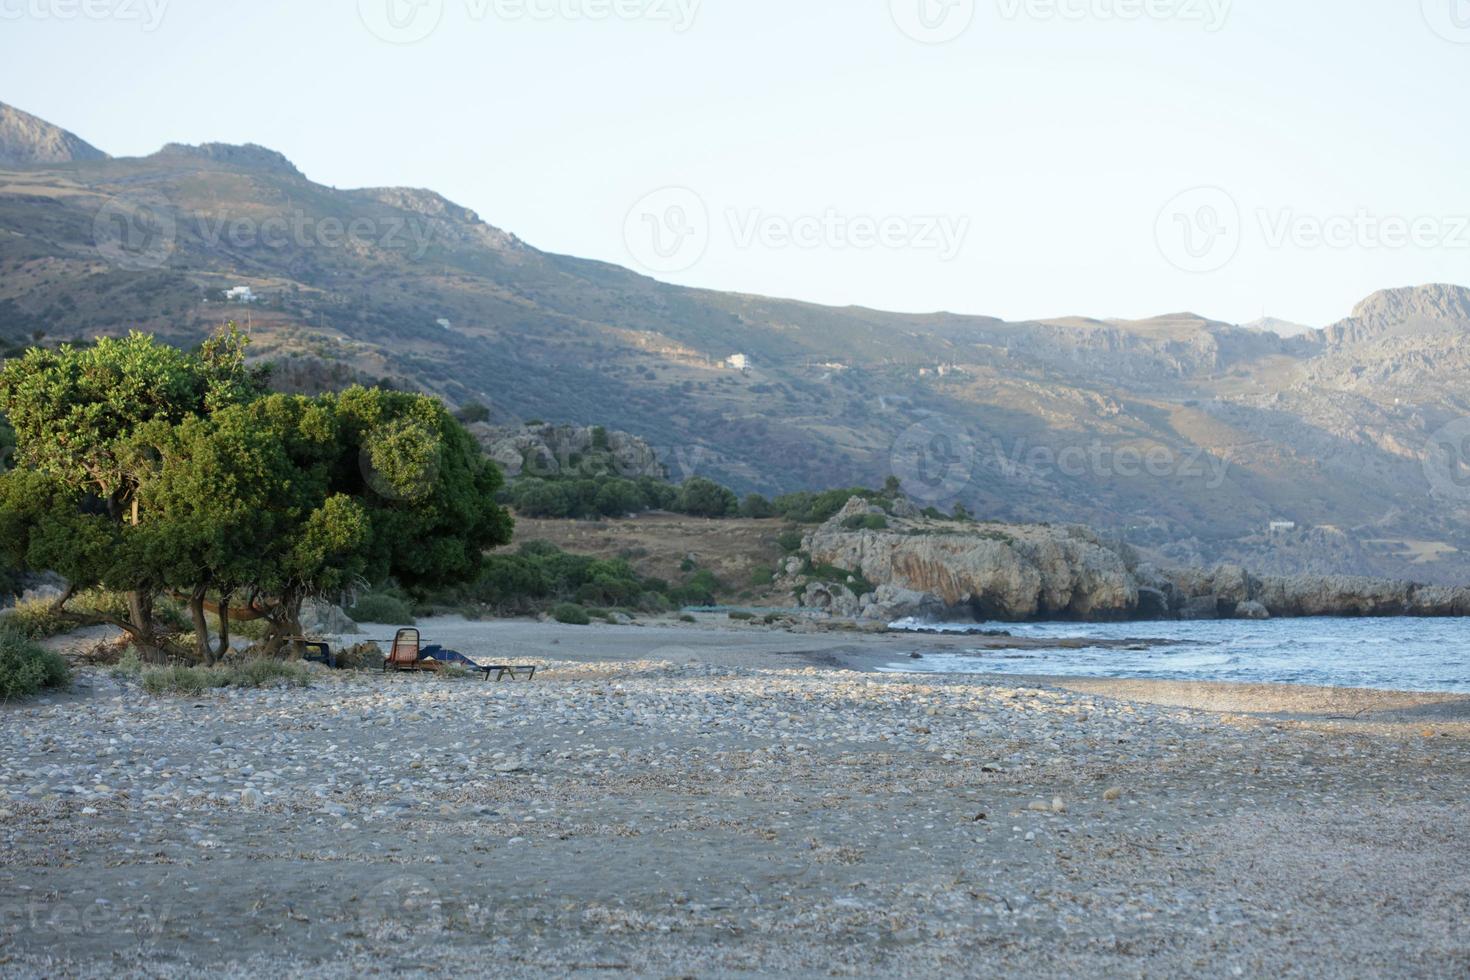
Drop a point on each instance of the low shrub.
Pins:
(26, 669)
(571, 614)
(866, 522)
(36, 619)
(742, 617)
(790, 542)
(686, 618)
(250, 674)
(381, 607)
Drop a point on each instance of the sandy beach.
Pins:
(716, 800)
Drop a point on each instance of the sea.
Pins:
(1392, 654)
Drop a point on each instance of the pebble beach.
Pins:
(706, 801)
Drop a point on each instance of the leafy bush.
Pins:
(762, 576)
(866, 522)
(26, 669)
(757, 507)
(807, 507)
(382, 607)
(742, 617)
(699, 497)
(790, 542)
(571, 614)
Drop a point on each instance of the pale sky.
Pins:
(1029, 166)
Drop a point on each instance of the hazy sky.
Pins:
(1045, 159)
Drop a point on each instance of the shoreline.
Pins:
(714, 801)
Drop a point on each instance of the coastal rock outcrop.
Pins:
(937, 569)
(988, 571)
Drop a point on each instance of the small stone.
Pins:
(1058, 805)
(250, 797)
(1038, 806)
(1113, 795)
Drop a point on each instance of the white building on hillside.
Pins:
(241, 294)
(739, 362)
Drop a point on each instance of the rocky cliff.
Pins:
(949, 570)
(27, 141)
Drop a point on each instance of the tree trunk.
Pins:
(224, 624)
(140, 617)
(201, 625)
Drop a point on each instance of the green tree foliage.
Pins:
(699, 497)
(153, 471)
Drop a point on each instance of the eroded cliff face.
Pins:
(941, 569)
(990, 571)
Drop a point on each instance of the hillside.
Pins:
(26, 140)
(1184, 434)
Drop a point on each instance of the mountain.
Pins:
(1183, 434)
(26, 140)
(1282, 328)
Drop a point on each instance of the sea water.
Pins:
(1395, 654)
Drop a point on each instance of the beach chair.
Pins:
(405, 653)
(499, 671)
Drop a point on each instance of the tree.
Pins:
(153, 471)
(756, 506)
(74, 496)
(700, 497)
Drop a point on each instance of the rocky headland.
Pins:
(905, 564)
